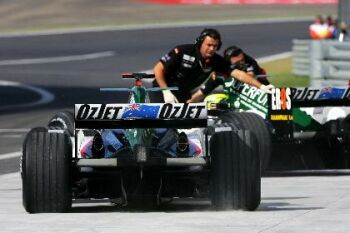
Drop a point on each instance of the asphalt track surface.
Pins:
(289, 204)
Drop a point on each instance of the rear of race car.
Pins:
(138, 155)
(138, 144)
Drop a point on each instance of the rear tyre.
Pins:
(46, 172)
(256, 124)
(235, 170)
(63, 120)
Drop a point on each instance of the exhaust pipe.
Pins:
(182, 144)
(98, 148)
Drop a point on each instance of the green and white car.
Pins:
(309, 127)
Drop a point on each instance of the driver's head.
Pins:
(234, 55)
(208, 42)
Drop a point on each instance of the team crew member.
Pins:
(238, 60)
(242, 61)
(188, 66)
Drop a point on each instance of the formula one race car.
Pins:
(309, 127)
(139, 153)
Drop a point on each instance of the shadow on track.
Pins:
(190, 205)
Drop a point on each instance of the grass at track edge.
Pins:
(282, 76)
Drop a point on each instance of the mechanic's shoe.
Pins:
(182, 145)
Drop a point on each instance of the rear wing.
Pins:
(150, 115)
(320, 96)
(299, 97)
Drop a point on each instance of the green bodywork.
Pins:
(138, 94)
(242, 97)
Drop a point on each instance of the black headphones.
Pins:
(208, 32)
(232, 51)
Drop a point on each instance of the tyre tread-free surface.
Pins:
(235, 170)
(256, 124)
(46, 169)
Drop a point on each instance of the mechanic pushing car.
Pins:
(188, 66)
(238, 61)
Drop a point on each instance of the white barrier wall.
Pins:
(325, 61)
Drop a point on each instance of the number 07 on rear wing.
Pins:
(150, 115)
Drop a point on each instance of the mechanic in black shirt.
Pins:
(242, 61)
(238, 60)
(188, 66)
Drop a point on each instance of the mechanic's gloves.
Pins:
(267, 88)
(169, 97)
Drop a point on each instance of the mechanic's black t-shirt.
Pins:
(186, 69)
(251, 65)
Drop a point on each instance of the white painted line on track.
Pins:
(155, 26)
(56, 59)
(10, 155)
(10, 175)
(24, 130)
(274, 57)
(46, 96)
(12, 136)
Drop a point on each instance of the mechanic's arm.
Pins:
(246, 78)
(251, 74)
(210, 84)
(198, 96)
(159, 73)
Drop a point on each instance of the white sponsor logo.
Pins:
(139, 111)
(188, 58)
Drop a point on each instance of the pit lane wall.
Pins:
(262, 2)
(327, 62)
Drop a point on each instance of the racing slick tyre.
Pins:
(235, 181)
(256, 124)
(63, 120)
(46, 172)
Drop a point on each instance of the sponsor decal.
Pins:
(247, 98)
(281, 117)
(188, 58)
(281, 105)
(166, 58)
(254, 93)
(139, 111)
(347, 94)
(327, 93)
(281, 99)
(331, 93)
(176, 111)
(305, 93)
(98, 111)
(187, 61)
